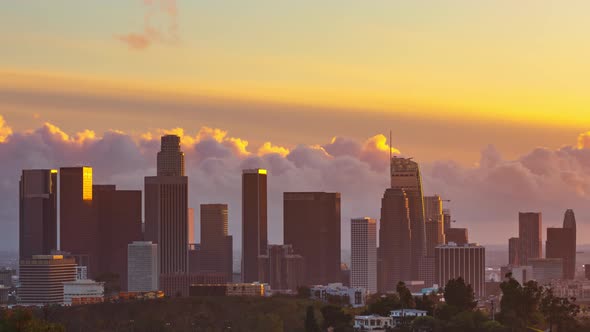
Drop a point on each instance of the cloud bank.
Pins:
(486, 197)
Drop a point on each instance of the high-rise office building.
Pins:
(457, 235)
(37, 212)
(558, 245)
(530, 234)
(119, 223)
(282, 268)
(166, 208)
(143, 271)
(216, 247)
(170, 158)
(78, 223)
(467, 261)
(312, 227)
(434, 225)
(395, 241)
(254, 221)
(405, 175)
(513, 249)
(569, 222)
(42, 279)
(363, 239)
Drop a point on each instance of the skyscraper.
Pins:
(569, 222)
(78, 222)
(558, 245)
(434, 225)
(312, 227)
(254, 223)
(166, 208)
(216, 248)
(119, 223)
(530, 236)
(405, 175)
(37, 212)
(513, 251)
(467, 261)
(170, 158)
(395, 241)
(363, 233)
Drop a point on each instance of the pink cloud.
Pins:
(158, 13)
(485, 197)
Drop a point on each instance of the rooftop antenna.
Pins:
(390, 146)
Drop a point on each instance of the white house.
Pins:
(405, 315)
(372, 323)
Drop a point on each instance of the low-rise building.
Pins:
(546, 270)
(4, 291)
(42, 279)
(372, 323)
(83, 292)
(354, 296)
(405, 316)
(241, 289)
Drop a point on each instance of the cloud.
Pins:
(160, 25)
(268, 148)
(584, 140)
(5, 131)
(485, 197)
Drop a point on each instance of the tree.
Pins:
(460, 295)
(427, 302)
(335, 318)
(519, 307)
(424, 324)
(558, 311)
(405, 296)
(303, 292)
(311, 324)
(384, 304)
(493, 326)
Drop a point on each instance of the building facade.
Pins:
(513, 251)
(142, 270)
(395, 241)
(42, 279)
(216, 247)
(254, 221)
(405, 175)
(458, 236)
(559, 245)
(312, 227)
(80, 292)
(37, 212)
(467, 261)
(170, 159)
(530, 234)
(363, 267)
(119, 216)
(78, 223)
(282, 268)
(546, 270)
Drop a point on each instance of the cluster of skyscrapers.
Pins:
(525, 252)
(101, 228)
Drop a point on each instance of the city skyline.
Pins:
(297, 169)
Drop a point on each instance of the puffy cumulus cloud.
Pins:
(485, 197)
(374, 151)
(584, 140)
(268, 148)
(488, 196)
(5, 130)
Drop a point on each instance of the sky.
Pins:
(489, 96)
